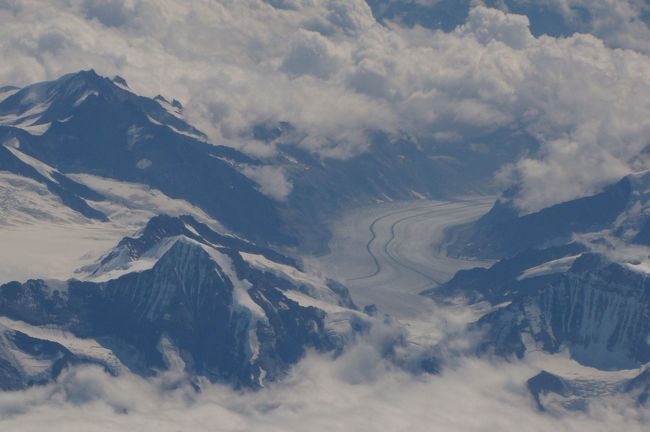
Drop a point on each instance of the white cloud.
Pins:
(490, 24)
(334, 73)
(271, 180)
(357, 391)
(618, 22)
(311, 54)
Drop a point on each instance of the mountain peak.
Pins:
(88, 74)
(79, 83)
(36, 106)
(120, 81)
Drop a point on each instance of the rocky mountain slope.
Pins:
(177, 296)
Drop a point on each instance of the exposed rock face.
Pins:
(503, 232)
(173, 298)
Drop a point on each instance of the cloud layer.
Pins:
(332, 71)
(357, 391)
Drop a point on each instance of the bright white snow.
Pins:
(556, 266)
(48, 240)
(86, 348)
(43, 169)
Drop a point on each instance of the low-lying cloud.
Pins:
(362, 390)
(358, 391)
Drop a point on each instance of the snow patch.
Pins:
(36, 129)
(143, 164)
(241, 299)
(135, 134)
(241, 286)
(85, 96)
(85, 348)
(42, 168)
(123, 264)
(136, 203)
(8, 93)
(556, 266)
(642, 267)
(263, 263)
(28, 120)
(171, 109)
(314, 285)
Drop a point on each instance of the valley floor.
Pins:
(387, 254)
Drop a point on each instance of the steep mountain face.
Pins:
(502, 232)
(598, 310)
(177, 296)
(70, 192)
(571, 281)
(90, 124)
(502, 281)
(560, 298)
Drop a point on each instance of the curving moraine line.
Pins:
(402, 264)
(373, 237)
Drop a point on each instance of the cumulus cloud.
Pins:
(334, 73)
(310, 53)
(620, 23)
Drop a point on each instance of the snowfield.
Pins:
(50, 241)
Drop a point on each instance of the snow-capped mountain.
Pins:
(503, 232)
(178, 295)
(560, 298)
(90, 124)
(85, 161)
(572, 282)
(598, 310)
(85, 124)
(207, 284)
(36, 107)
